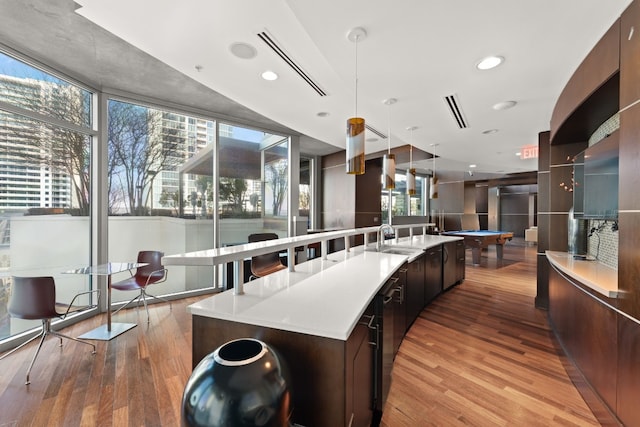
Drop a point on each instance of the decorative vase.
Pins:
(242, 383)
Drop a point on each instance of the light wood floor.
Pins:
(479, 355)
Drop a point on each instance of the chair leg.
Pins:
(130, 301)
(145, 294)
(59, 335)
(22, 345)
(46, 325)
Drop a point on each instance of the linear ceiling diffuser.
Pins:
(456, 111)
(269, 41)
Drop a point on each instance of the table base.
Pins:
(101, 333)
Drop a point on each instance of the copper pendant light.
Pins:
(355, 125)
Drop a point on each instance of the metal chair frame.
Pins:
(46, 330)
(143, 290)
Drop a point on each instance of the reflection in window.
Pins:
(401, 203)
(253, 183)
(34, 90)
(304, 205)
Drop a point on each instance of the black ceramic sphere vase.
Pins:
(242, 383)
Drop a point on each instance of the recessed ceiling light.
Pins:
(518, 154)
(489, 131)
(504, 105)
(472, 166)
(243, 50)
(322, 114)
(269, 75)
(489, 62)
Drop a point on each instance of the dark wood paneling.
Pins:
(558, 228)
(629, 160)
(630, 55)
(482, 199)
(542, 288)
(544, 224)
(595, 71)
(629, 263)
(560, 199)
(543, 191)
(544, 148)
(367, 197)
(563, 154)
(316, 366)
(587, 330)
(628, 371)
(514, 223)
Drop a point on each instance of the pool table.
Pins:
(478, 239)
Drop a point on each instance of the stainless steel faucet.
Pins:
(380, 238)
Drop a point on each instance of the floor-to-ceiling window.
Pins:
(46, 138)
(176, 182)
(152, 203)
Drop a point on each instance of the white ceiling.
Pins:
(416, 51)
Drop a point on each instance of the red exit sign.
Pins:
(529, 152)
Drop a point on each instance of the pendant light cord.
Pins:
(389, 129)
(357, 38)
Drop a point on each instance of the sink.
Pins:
(398, 250)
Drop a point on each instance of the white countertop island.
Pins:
(321, 297)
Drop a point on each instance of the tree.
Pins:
(55, 148)
(140, 147)
(276, 178)
(233, 190)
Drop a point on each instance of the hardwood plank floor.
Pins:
(481, 354)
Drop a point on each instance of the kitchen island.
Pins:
(320, 318)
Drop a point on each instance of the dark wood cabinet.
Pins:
(449, 270)
(592, 94)
(400, 309)
(324, 372)
(433, 273)
(360, 374)
(630, 55)
(415, 289)
(460, 261)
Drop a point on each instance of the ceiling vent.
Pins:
(456, 111)
(269, 41)
(376, 131)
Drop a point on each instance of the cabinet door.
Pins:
(448, 265)
(433, 274)
(415, 289)
(460, 261)
(362, 386)
(630, 55)
(399, 316)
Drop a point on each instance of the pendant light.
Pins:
(411, 173)
(355, 125)
(389, 160)
(433, 182)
